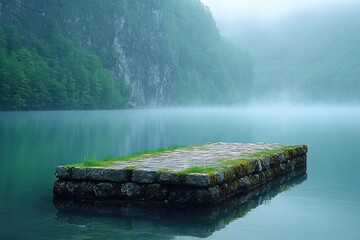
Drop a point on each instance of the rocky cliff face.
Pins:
(124, 39)
(138, 40)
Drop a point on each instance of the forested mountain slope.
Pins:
(105, 54)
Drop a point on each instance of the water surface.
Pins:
(325, 205)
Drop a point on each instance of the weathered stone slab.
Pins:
(198, 179)
(143, 176)
(169, 178)
(199, 175)
(131, 190)
(93, 173)
(104, 190)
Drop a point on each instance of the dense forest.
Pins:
(59, 75)
(308, 57)
(108, 54)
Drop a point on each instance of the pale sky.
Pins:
(234, 17)
(266, 10)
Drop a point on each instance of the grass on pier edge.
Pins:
(92, 161)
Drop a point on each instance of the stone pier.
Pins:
(198, 175)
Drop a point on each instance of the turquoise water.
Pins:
(323, 205)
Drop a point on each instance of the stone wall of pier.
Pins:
(155, 218)
(175, 189)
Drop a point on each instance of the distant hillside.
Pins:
(307, 57)
(105, 54)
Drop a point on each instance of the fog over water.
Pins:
(324, 205)
(303, 51)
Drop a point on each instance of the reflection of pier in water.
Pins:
(199, 222)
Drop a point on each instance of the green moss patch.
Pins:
(197, 169)
(130, 168)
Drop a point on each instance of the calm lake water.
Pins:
(323, 205)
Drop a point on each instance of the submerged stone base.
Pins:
(234, 169)
(167, 220)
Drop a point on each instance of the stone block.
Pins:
(253, 166)
(282, 157)
(115, 175)
(169, 178)
(104, 190)
(63, 172)
(130, 189)
(245, 182)
(215, 193)
(198, 179)
(189, 196)
(219, 176)
(75, 189)
(154, 192)
(143, 176)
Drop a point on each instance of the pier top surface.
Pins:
(199, 165)
(209, 155)
(205, 155)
